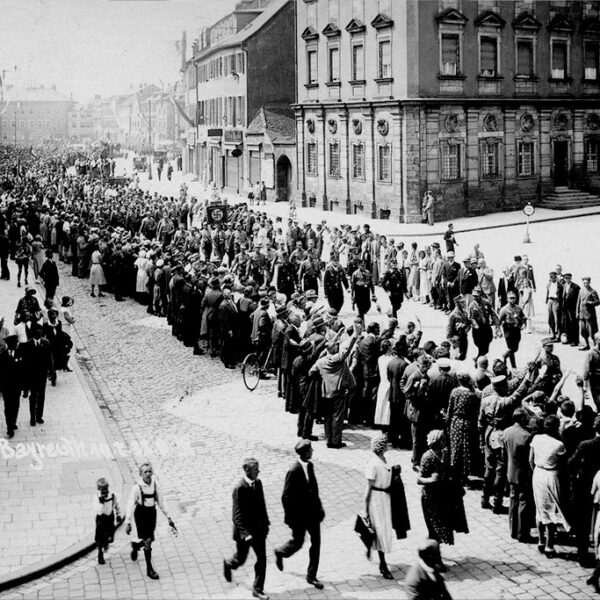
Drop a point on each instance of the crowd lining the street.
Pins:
(251, 284)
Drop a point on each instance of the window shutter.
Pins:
(559, 56)
(489, 52)
(524, 58)
(449, 49)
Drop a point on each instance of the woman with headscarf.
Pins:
(378, 505)
(546, 457)
(144, 499)
(142, 264)
(462, 419)
(442, 498)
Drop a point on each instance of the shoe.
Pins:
(68, 370)
(134, 551)
(500, 510)
(279, 560)
(314, 581)
(540, 548)
(550, 552)
(485, 503)
(313, 438)
(337, 446)
(386, 573)
(15, 427)
(260, 595)
(32, 422)
(92, 295)
(584, 348)
(526, 539)
(152, 573)
(10, 434)
(18, 284)
(40, 421)
(226, 572)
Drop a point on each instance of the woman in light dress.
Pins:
(378, 503)
(383, 255)
(38, 256)
(97, 278)
(66, 314)
(424, 285)
(142, 265)
(382, 408)
(526, 302)
(413, 273)
(343, 252)
(546, 457)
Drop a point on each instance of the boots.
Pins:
(135, 546)
(149, 570)
(100, 556)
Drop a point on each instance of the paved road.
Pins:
(204, 422)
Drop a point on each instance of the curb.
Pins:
(87, 544)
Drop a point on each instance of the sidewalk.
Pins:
(388, 228)
(49, 472)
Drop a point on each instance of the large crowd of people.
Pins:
(283, 289)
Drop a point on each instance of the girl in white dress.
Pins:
(526, 302)
(378, 504)
(382, 408)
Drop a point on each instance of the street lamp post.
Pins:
(149, 139)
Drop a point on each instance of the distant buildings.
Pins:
(488, 103)
(34, 114)
(239, 88)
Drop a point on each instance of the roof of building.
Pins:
(37, 94)
(276, 121)
(252, 28)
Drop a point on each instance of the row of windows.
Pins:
(222, 112)
(525, 57)
(31, 111)
(33, 124)
(384, 161)
(221, 66)
(451, 158)
(358, 11)
(384, 62)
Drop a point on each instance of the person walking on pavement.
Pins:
(459, 325)
(554, 291)
(512, 320)
(428, 205)
(49, 275)
(11, 382)
(38, 367)
(568, 309)
(22, 256)
(106, 509)
(303, 512)
(250, 527)
(4, 253)
(450, 239)
(144, 499)
(394, 283)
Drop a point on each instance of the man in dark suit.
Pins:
(250, 526)
(38, 365)
(554, 290)
(228, 317)
(11, 382)
(516, 440)
(423, 580)
(568, 310)
(49, 275)
(506, 284)
(303, 512)
(584, 464)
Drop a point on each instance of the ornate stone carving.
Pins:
(490, 123)
(357, 126)
(593, 121)
(451, 123)
(527, 122)
(561, 121)
(383, 127)
(332, 125)
(310, 126)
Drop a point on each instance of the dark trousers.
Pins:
(520, 510)
(4, 272)
(293, 545)
(260, 567)
(396, 302)
(50, 292)
(306, 419)
(23, 267)
(554, 317)
(583, 518)
(37, 398)
(419, 433)
(334, 412)
(494, 478)
(463, 346)
(12, 401)
(335, 299)
(228, 351)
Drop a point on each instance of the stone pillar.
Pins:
(545, 151)
(300, 161)
(322, 157)
(412, 163)
(370, 156)
(577, 151)
(396, 135)
(511, 189)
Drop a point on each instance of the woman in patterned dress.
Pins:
(441, 498)
(463, 414)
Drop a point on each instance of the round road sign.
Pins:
(528, 209)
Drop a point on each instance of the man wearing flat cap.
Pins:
(554, 292)
(568, 310)
(303, 512)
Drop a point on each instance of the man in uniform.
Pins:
(512, 320)
(450, 272)
(459, 325)
(568, 309)
(363, 292)
(482, 317)
(394, 283)
(334, 283)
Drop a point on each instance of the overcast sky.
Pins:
(88, 47)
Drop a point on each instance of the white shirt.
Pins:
(106, 507)
(304, 466)
(553, 290)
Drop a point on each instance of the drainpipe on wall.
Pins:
(325, 202)
(303, 159)
(373, 161)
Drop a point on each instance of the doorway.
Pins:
(561, 163)
(284, 179)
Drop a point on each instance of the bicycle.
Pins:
(252, 371)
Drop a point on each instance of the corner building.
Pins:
(489, 104)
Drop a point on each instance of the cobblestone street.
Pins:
(203, 422)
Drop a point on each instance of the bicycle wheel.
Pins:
(251, 371)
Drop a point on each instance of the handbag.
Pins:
(366, 533)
